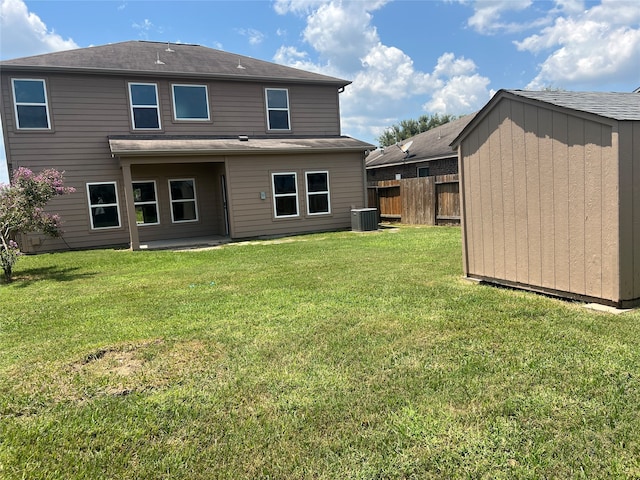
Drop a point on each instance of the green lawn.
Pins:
(329, 356)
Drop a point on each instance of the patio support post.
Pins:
(130, 206)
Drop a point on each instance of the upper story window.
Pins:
(278, 109)
(30, 100)
(145, 110)
(190, 102)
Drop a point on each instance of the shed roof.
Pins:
(166, 59)
(430, 145)
(619, 106)
(614, 105)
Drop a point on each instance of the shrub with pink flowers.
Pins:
(22, 206)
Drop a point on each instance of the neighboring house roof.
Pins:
(166, 145)
(154, 58)
(621, 106)
(430, 145)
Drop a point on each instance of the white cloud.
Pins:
(299, 7)
(460, 89)
(295, 58)
(145, 27)
(589, 47)
(255, 37)
(449, 66)
(23, 33)
(489, 13)
(459, 95)
(342, 33)
(386, 85)
(387, 76)
(302, 7)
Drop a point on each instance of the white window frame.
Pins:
(16, 103)
(194, 200)
(91, 206)
(324, 192)
(269, 109)
(154, 202)
(276, 195)
(175, 109)
(156, 106)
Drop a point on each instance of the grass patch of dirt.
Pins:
(111, 370)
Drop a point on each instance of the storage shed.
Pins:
(550, 194)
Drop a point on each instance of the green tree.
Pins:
(22, 211)
(409, 128)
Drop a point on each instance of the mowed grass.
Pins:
(330, 356)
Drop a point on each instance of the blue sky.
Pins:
(405, 58)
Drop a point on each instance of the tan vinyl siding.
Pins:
(86, 109)
(251, 216)
(627, 138)
(541, 196)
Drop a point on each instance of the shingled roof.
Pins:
(620, 106)
(153, 58)
(430, 145)
(614, 105)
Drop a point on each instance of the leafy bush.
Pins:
(22, 206)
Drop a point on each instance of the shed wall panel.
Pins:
(496, 191)
(593, 209)
(560, 178)
(541, 200)
(532, 169)
(488, 264)
(629, 148)
(473, 208)
(547, 220)
(520, 186)
(577, 282)
(509, 193)
(610, 214)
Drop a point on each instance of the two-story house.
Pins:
(164, 141)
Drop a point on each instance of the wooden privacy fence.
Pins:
(418, 201)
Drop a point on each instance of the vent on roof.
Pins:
(158, 61)
(405, 148)
(240, 65)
